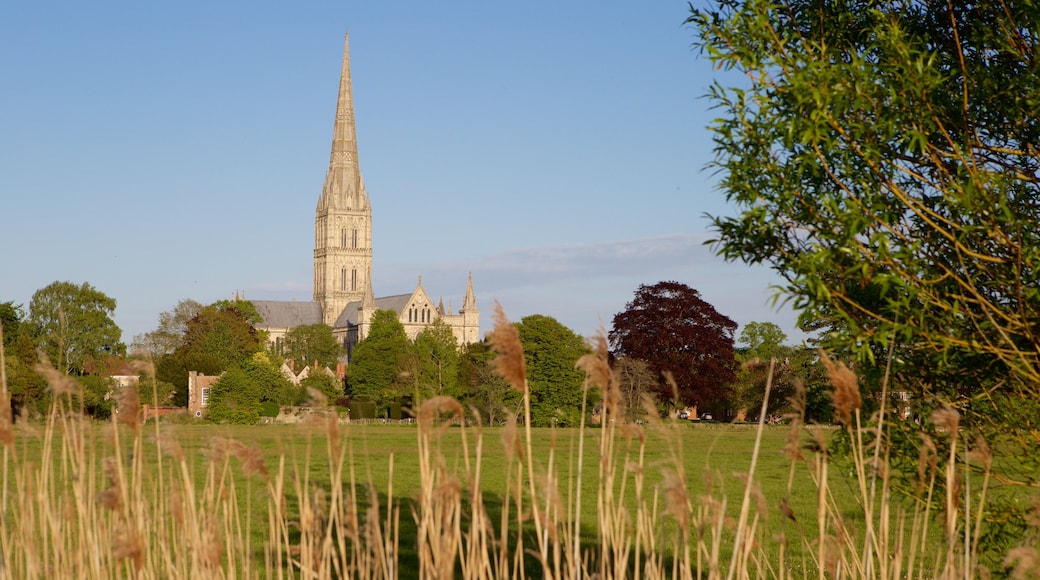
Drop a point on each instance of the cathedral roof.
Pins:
(285, 314)
(349, 316)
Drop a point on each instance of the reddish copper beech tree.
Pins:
(672, 329)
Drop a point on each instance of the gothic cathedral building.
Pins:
(343, 296)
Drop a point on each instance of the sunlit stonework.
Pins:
(343, 296)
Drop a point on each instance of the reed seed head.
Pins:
(846, 397)
(59, 382)
(436, 407)
(946, 419)
(676, 499)
(128, 404)
(505, 339)
(129, 545)
(1024, 562)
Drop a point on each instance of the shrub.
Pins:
(269, 409)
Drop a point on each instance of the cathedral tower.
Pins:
(343, 219)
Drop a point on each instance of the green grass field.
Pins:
(324, 499)
(710, 458)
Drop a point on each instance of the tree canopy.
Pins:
(674, 330)
(376, 361)
(551, 351)
(764, 340)
(437, 352)
(883, 158)
(884, 161)
(310, 343)
(214, 339)
(73, 323)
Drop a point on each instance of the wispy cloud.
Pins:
(584, 285)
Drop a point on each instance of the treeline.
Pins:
(672, 351)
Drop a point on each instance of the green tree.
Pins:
(551, 351)
(376, 362)
(482, 387)
(883, 160)
(28, 389)
(764, 340)
(437, 352)
(271, 384)
(234, 398)
(223, 333)
(73, 323)
(312, 342)
(214, 340)
(244, 308)
(11, 316)
(326, 384)
(98, 395)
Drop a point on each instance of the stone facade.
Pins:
(343, 295)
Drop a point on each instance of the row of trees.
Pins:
(388, 368)
(668, 344)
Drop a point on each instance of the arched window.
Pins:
(355, 237)
(353, 280)
(343, 279)
(343, 238)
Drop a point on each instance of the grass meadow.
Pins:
(713, 459)
(445, 498)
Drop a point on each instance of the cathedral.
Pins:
(343, 296)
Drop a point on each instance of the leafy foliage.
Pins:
(437, 352)
(551, 351)
(671, 328)
(884, 160)
(223, 333)
(311, 343)
(73, 323)
(326, 384)
(482, 387)
(376, 361)
(11, 316)
(234, 398)
(214, 339)
(29, 392)
(764, 340)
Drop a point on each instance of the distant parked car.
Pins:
(684, 415)
(707, 417)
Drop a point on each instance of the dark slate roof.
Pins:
(349, 315)
(282, 314)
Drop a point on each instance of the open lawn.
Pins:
(261, 494)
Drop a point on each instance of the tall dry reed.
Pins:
(93, 503)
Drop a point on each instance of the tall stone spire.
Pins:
(344, 187)
(343, 219)
(469, 302)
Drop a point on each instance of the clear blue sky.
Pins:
(176, 149)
